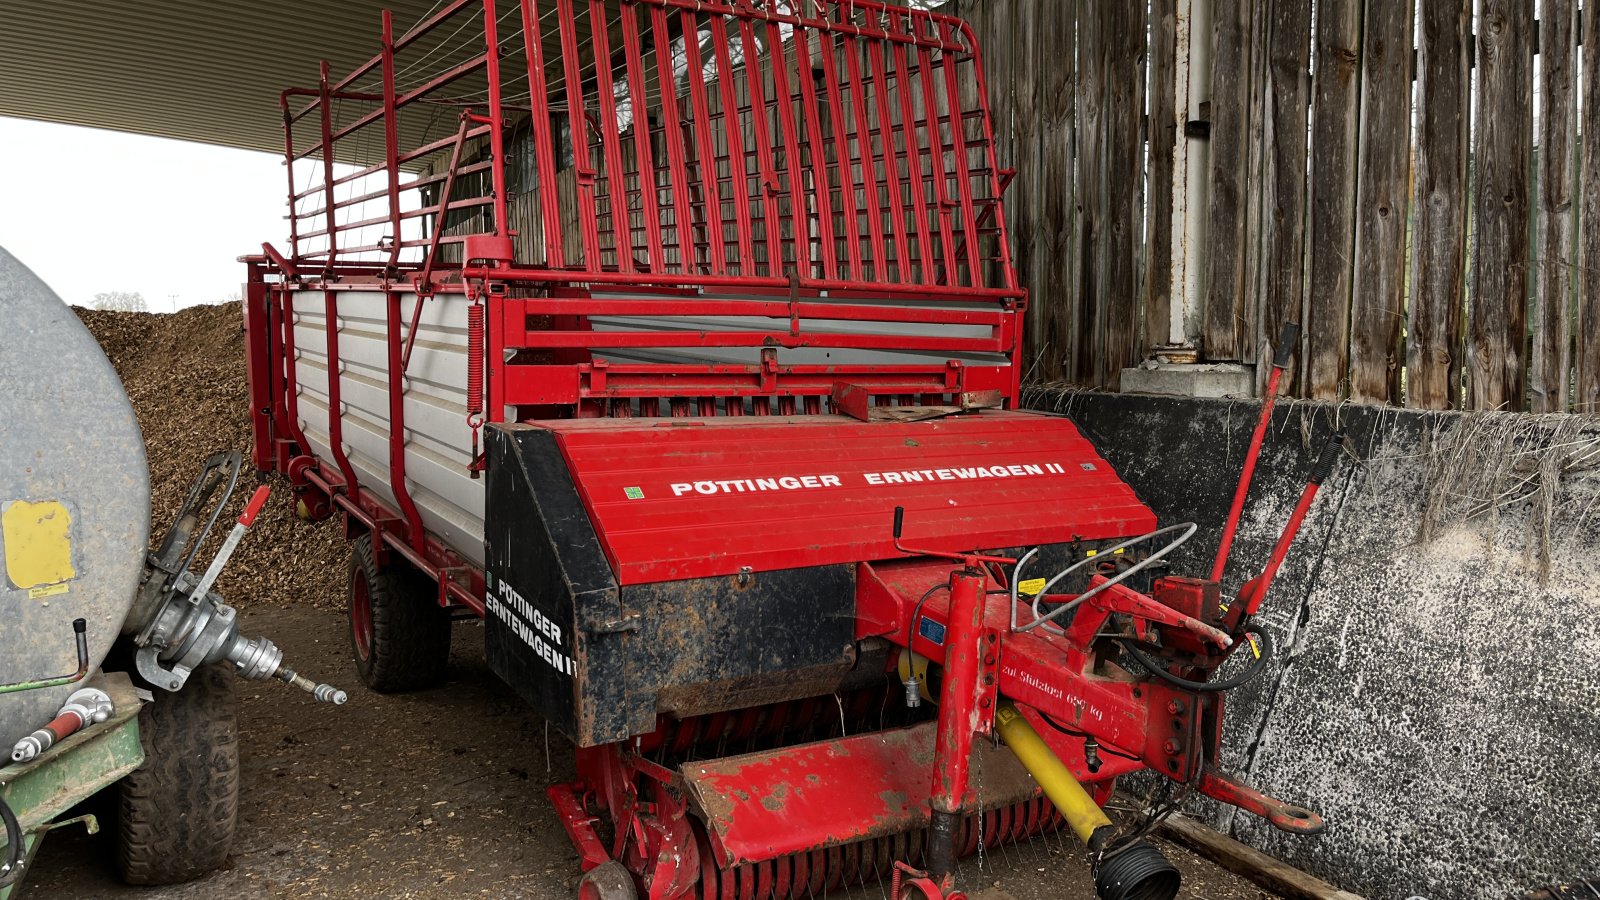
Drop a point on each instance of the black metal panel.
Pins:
(601, 662)
(548, 587)
(711, 644)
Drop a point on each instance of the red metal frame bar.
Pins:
(397, 421)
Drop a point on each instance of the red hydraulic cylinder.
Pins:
(958, 717)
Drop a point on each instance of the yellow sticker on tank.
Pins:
(38, 543)
(1031, 586)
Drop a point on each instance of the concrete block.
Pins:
(1190, 379)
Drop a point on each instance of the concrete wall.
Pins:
(1438, 701)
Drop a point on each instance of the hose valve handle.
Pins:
(1287, 339)
(1328, 459)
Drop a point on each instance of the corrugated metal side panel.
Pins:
(438, 440)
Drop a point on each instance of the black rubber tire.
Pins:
(176, 812)
(409, 645)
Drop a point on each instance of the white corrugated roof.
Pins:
(199, 71)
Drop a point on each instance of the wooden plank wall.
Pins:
(1377, 175)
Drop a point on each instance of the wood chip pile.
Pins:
(185, 374)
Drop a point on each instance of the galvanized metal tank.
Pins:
(74, 497)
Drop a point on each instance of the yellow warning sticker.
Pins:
(1031, 587)
(49, 590)
(1255, 644)
(38, 543)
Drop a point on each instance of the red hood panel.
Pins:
(691, 498)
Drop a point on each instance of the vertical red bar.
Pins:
(540, 133)
(869, 165)
(649, 192)
(397, 423)
(958, 138)
(893, 181)
(821, 191)
(705, 149)
(391, 142)
(936, 150)
(259, 367)
(738, 161)
(672, 134)
(841, 139)
(497, 169)
(958, 708)
(291, 375)
(764, 166)
(328, 212)
(610, 138)
(578, 128)
(288, 168)
(1006, 268)
(335, 396)
(914, 179)
(504, 316)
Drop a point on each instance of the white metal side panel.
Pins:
(437, 439)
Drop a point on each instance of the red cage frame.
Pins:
(815, 159)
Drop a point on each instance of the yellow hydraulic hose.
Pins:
(1082, 813)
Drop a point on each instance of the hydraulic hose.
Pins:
(1159, 669)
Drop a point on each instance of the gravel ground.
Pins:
(434, 794)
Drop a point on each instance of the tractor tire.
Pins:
(176, 812)
(399, 634)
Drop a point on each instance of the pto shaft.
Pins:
(1085, 817)
(1132, 871)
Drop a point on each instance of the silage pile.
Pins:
(186, 376)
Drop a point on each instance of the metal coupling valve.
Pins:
(189, 626)
(85, 706)
(913, 686)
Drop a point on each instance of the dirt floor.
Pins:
(434, 794)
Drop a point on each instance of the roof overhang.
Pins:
(195, 70)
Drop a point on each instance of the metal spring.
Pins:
(475, 332)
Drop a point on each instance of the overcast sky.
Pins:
(93, 211)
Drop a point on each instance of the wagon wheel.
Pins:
(399, 633)
(607, 881)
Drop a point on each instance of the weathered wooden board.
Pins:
(1433, 346)
(1586, 327)
(1550, 362)
(1382, 194)
(1333, 176)
(1092, 200)
(1283, 198)
(1125, 103)
(1164, 134)
(1226, 327)
(1502, 152)
(1052, 294)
